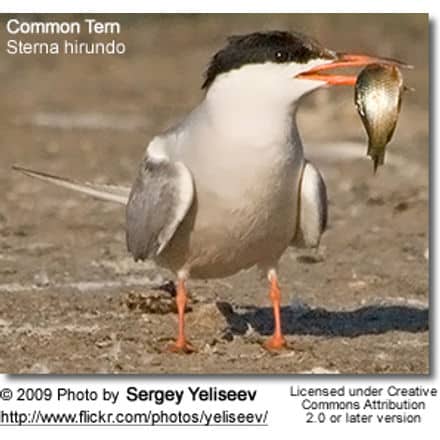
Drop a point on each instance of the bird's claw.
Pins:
(275, 343)
(181, 346)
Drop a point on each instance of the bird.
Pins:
(229, 186)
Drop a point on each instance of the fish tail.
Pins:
(375, 164)
(377, 155)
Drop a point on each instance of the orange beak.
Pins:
(346, 60)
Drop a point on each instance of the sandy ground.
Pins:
(71, 299)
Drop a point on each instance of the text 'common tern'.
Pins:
(229, 188)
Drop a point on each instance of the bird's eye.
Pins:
(281, 56)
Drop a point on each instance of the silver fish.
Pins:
(378, 97)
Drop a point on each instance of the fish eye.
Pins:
(281, 56)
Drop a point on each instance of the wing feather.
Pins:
(312, 208)
(111, 193)
(160, 198)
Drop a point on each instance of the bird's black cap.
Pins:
(261, 47)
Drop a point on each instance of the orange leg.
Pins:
(181, 345)
(276, 341)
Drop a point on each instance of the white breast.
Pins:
(246, 197)
(245, 157)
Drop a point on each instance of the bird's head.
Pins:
(278, 67)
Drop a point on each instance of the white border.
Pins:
(336, 6)
(288, 426)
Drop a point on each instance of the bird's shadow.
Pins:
(374, 319)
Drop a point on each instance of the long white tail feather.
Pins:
(112, 193)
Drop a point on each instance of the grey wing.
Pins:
(160, 198)
(312, 208)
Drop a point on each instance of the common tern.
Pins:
(229, 187)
